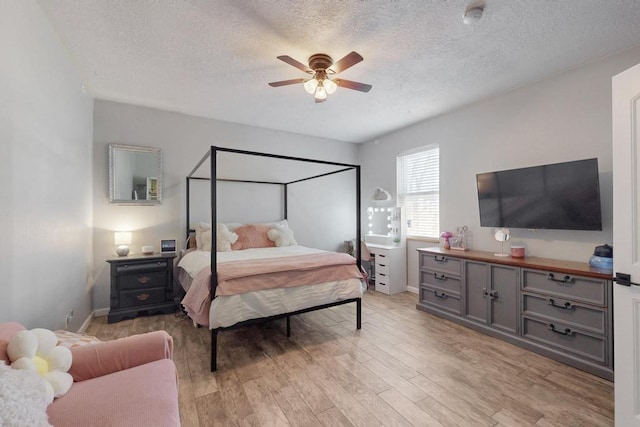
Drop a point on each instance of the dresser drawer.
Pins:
(564, 337)
(440, 280)
(382, 285)
(576, 288)
(143, 280)
(443, 300)
(141, 297)
(583, 316)
(137, 267)
(382, 268)
(441, 263)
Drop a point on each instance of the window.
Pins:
(419, 190)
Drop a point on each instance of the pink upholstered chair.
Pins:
(125, 382)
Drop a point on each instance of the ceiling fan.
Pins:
(321, 67)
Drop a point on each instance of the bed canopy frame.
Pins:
(214, 171)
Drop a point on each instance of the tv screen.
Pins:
(560, 196)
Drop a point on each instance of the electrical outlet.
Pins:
(68, 318)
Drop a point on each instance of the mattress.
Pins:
(228, 310)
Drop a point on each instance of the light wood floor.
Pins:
(404, 367)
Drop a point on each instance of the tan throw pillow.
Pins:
(252, 236)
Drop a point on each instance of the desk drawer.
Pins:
(576, 288)
(440, 299)
(579, 315)
(563, 336)
(441, 263)
(141, 297)
(143, 280)
(440, 280)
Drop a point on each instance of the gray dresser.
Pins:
(560, 309)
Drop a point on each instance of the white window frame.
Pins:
(422, 220)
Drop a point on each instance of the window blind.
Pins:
(419, 190)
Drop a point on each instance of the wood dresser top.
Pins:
(559, 266)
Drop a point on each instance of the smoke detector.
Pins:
(472, 15)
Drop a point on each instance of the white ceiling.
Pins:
(214, 58)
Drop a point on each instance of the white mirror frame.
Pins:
(113, 169)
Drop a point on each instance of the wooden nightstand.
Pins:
(141, 285)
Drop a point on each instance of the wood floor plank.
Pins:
(407, 409)
(404, 367)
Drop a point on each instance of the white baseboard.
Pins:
(86, 323)
(101, 312)
(412, 289)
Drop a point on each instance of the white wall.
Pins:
(567, 117)
(184, 140)
(45, 168)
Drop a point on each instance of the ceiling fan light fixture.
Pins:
(321, 93)
(472, 15)
(329, 85)
(311, 85)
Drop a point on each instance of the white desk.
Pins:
(390, 267)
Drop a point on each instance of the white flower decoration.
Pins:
(36, 350)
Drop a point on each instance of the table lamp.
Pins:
(123, 240)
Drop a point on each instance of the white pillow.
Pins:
(201, 229)
(224, 238)
(281, 236)
(23, 398)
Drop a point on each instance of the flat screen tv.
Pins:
(559, 196)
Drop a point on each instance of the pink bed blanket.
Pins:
(238, 277)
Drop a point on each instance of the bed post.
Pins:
(288, 326)
(188, 213)
(358, 222)
(359, 313)
(214, 350)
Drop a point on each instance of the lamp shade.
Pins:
(122, 237)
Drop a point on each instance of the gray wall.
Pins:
(322, 213)
(46, 127)
(566, 117)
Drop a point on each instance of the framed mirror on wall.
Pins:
(135, 175)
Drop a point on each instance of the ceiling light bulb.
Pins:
(311, 85)
(472, 15)
(321, 93)
(329, 85)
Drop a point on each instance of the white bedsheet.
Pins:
(229, 310)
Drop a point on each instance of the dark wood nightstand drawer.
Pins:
(141, 297)
(137, 267)
(143, 280)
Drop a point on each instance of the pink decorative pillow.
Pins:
(252, 236)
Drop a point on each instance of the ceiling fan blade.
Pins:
(348, 84)
(299, 65)
(286, 82)
(347, 62)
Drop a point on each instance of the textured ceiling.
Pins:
(214, 58)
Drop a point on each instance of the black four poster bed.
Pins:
(312, 169)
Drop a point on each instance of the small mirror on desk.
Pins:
(384, 226)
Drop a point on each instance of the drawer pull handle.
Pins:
(440, 277)
(566, 331)
(382, 274)
(382, 265)
(439, 259)
(143, 297)
(143, 280)
(565, 279)
(440, 295)
(567, 305)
